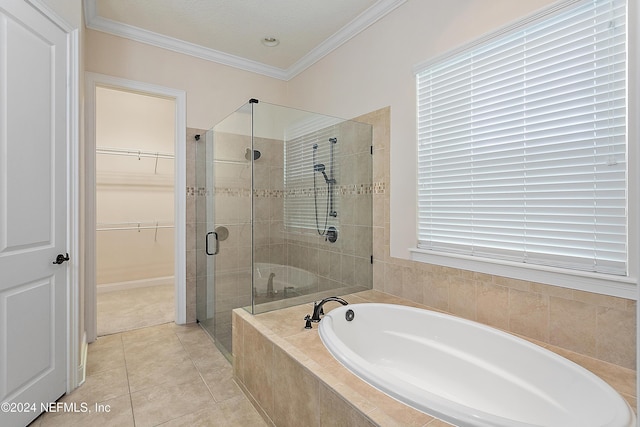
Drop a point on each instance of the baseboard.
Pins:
(133, 284)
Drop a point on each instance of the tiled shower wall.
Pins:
(344, 263)
(595, 325)
(347, 262)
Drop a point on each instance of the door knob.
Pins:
(61, 258)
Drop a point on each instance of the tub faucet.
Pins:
(317, 307)
(270, 284)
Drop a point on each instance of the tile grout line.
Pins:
(199, 374)
(198, 370)
(126, 370)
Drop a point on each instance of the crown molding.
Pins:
(360, 23)
(95, 22)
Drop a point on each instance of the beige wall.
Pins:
(213, 90)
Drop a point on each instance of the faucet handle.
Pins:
(307, 325)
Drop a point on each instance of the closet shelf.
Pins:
(134, 153)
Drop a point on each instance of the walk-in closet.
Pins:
(135, 139)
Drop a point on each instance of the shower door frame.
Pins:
(92, 81)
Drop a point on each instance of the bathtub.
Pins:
(466, 373)
(287, 281)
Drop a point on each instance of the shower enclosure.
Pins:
(284, 212)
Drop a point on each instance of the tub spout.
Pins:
(270, 285)
(317, 307)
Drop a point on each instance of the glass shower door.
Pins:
(284, 212)
(223, 176)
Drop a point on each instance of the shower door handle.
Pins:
(217, 247)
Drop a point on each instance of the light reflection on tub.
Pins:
(467, 373)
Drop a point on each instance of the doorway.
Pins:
(135, 202)
(135, 140)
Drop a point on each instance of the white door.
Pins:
(33, 212)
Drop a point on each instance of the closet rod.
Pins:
(130, 226)
(134, 228)
(133, 153)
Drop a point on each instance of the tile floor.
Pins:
(129, 309)
(166, 375)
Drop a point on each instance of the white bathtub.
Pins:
(466, 373)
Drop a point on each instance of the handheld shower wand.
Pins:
(331, 182)
(330, 233)
(320, 168)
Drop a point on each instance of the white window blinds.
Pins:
(522, 143)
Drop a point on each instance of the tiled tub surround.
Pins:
(293, 380)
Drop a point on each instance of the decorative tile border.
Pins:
(342, 190)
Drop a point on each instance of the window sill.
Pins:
(617, 286)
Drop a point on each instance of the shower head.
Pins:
(256, 154)
(315, 146)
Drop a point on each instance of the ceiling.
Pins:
(230, 32)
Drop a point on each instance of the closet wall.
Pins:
(135, 137)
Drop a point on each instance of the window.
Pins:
(522, 148)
